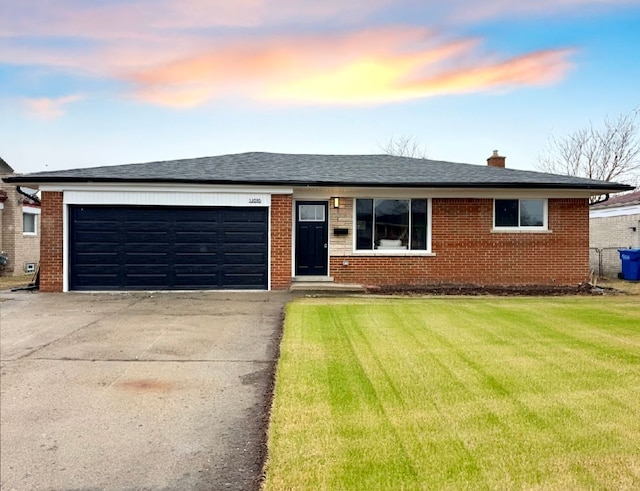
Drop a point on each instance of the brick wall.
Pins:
(27, 247)
(467, 251)
(614, 231)
(8, 230)
(21, 249)
(281, 226)
(51, 246)
(341, 245)
(610, 234)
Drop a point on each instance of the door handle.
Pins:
(326, 245)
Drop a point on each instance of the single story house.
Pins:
(613, 224)
(19, 226)
(262, 220)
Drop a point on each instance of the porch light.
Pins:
(336, 202)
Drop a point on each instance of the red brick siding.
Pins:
(468, 252)
(466, 249)
(51, 243)
(281, 229)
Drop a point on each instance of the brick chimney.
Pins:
(496, 160)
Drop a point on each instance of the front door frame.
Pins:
(323, 244)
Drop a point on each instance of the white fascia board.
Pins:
(191, 188)
(314, 192)
(386, 192)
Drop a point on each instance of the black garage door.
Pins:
(162, 248)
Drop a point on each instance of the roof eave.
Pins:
(596, 188)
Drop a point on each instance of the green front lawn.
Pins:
(458, 393)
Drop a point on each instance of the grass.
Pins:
(628, 287)
(8, 282)
(457, 393)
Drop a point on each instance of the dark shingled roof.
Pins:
(259, 168)
(620, 200)
(4, 167)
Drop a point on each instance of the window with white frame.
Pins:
(526, 214)
(29, 223)
(392, 225)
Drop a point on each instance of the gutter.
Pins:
(32, 197)
(603, 188)
(599, 202)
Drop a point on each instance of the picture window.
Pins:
(392, 225)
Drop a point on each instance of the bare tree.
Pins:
(607, 153)
(404, 146)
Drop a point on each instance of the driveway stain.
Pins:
(147, 385)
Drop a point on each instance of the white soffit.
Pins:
(382, 192)
(615, 211)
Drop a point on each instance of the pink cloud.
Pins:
(185, 53)
(250, 69)
(372, 66)
(103, 39)
(464, 10)
(144, 19)
(138, 19)
(147, 19)
(539, 68)
(49, 108)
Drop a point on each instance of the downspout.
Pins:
(600, 201)
(32, 197)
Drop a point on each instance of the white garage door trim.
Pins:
(165, 198)
(159, 197)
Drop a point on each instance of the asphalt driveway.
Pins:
(135, 391)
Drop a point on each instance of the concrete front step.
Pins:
(325, 287)
(313, 279)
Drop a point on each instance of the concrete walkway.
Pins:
(135, 391)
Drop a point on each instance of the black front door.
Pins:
(312, 234)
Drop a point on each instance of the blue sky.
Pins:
(113, 82)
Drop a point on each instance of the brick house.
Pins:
(263, 221)
(19, 226)
(613, 224)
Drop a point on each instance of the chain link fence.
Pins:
(605, 261)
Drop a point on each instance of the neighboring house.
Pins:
(613, 224)
(263, 220)
(19, 226)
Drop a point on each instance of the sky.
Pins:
(85, 83)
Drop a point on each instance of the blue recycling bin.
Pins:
(630, 264)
